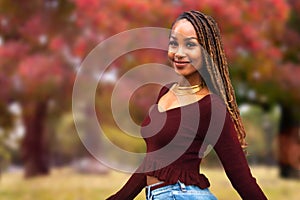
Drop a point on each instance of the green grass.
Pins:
(65, 184)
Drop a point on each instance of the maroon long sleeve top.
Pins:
(176, 141)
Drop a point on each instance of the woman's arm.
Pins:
(233, 159)
(131, 189)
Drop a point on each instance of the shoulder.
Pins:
(216, 99)
(213, 99)
(164, 89)
(214, 105)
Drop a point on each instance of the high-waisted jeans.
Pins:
(178, 191)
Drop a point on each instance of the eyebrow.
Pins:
(189, 38)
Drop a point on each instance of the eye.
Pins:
(173, 44)
(191, 44)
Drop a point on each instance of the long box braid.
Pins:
(214, 57)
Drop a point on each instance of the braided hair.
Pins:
(208, 35)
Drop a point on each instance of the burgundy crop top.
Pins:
(174, 139)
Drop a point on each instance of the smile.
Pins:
(180, 63)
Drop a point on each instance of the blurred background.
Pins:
(43, 42)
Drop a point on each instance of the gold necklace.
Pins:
(186, 90)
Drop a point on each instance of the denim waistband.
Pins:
(150, 190)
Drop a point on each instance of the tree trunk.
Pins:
(34, 145)
(289, 145)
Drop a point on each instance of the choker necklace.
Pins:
(186, 90)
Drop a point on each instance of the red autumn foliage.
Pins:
(41, 39)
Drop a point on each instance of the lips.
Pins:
(180, 64)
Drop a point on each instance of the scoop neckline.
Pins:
(181, 107)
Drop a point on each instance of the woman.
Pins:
(190, 116)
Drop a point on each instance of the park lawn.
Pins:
(65, 184)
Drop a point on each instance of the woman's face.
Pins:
(184, 50)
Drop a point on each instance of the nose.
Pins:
(179, 53)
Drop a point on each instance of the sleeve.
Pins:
(233, 159)
(131, 189)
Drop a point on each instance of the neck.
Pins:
(190, 80)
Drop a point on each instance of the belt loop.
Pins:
(148, 192)
(182, 186)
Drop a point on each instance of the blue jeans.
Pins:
(179, 191)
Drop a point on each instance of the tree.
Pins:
(254, 34)
(289, 84)
(35, 69)
(41, 44)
